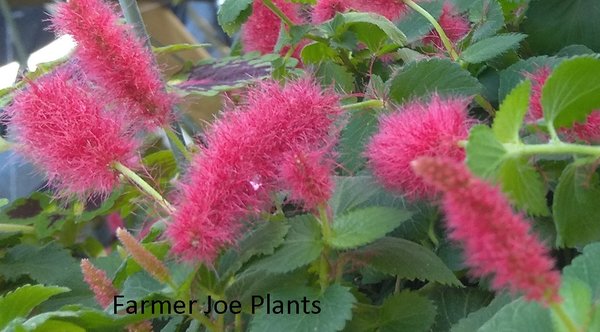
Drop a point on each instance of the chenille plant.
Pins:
(384, 165)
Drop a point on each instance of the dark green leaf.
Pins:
(419, 79)
(233, 13)
(364, 226)
(354, 137)
(586, 268)
(519, 315)
(492, 47)
(513, 75)
(454, 304)
(406, 259)
(478, 318)
(351, 192)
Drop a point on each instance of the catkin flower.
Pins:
(261, 31)
(99, 284)
(116, 59)
(234, 176)
(63, 128)
(418, 129)
(308, 176)
(496, 240)
(142, 256)
(326, 9)
(143, 326)
(391, 9)
(454, 25)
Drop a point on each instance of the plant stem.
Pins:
(10, 228)
(286, 20)
(220, 323)
(204, 321)
(516, 150)
(562, 315)
(237, 323)
(143, 186)
(133, 16)
(174, 139)
(485, 104)
(324, 222)
(372, 103)
(438, 28)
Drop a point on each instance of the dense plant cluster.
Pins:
(384, 165)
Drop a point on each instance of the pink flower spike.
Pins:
(99, 283)
(495, 239)
(393, 10)
(261, 31)
(454, 25)
(308, 175)
(326, 9)
(117, 60)
(418, 129)
(233, 177)
(538, 79)
(63, 129)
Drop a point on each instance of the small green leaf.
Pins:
(335, 309)
(351, 192)
(575, 206)
(406, 259)
(524, 186)
(233, 13)
(3, 202)
(354, 138)
(519, 315)
(585, 267)
(22, 300)
(484, 153)
(302, 245)
(364, 226)
(487, 16)
(317, 52)
(419, 79)
(455, 303)
(577, 304)
(492, 47)
(353, 19)
(140, 285)
(509, 118)
(572, 91)
(174, 48)
(478, 318)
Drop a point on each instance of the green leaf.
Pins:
(405, 311)
(372, 22)
(335, 309)
(492, 47)
(478, 318)
(513, 75)
(233, 13)
(174, 48)
(331, 73)
(585, 267)
(419, 79)
(406, 259)
(354, 138)
(3, 202)
(302, 245)
(524, 186)
(572, 91)
(487, 16)
(575, 206)
(577, 303)
(351, 192)
(316, 52)
(261, 241)
(455, 303)
(414, 25)
(140, 285)
(22, 300)
(554, 24)
(364, 226)
(519, 315)
(484, 153)
(509, 118)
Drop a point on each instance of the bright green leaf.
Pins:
(317, 52)
(22, 300)
(484, 153)
(509, 118)
(233, 13)
(524, 186)
(492, 47)
(364, 226)
(375, 21)
(406, 259)
(577, 303)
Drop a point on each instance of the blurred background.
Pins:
(26, 41)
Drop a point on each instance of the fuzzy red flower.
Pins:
(390, 9)
(418, 129)
(62, 127)
(99, 283)
(538, 79)
(454, 25)
(261, 31)
(308, 176)
(326, 9)
(496, 240)
(235, 174)
(115, 59)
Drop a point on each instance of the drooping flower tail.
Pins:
(142, 256)
(234, 176)
(99, 283)
(496, 240)
(116, 59)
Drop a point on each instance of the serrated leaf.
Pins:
(302, 245)
(524, 186)
(554, 24)
(487, 17)
(353, 139)
(519, 315)
(484, 153)
(406, 259)
(140, 285)
(316, 52)
(331, 73)
(492, 47)
(585, 267)
(348, 20)
(233, 13)
(572, 91)
(510, 115)
(455, 303)
(478, 318)
(513, 75)
(575, 206)
(418, 79)
(22, 300)
(364, 226)
(335, 303)
(414, 25)
(351, 192)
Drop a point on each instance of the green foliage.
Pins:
(492, 47)
(509, 119)
(233, 13)
(22, 300)
(484, 152)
